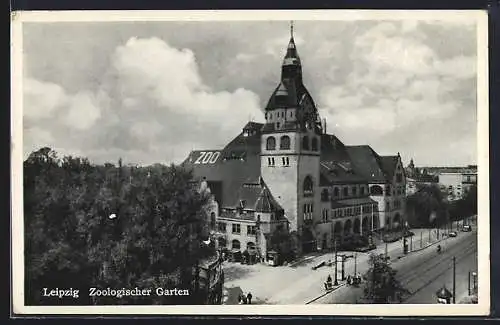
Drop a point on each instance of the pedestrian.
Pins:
(244, 299)
(239, 300)
(249, 297)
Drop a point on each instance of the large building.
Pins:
(288, 175)
(454, 181)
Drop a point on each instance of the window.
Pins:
(336, 192)
(387, 206)
(285, 142)
(222, 227)
(277, 125)
(362, 190)
(399, 177)
(346, 191)
(236, 228)
(324, 215)
(388, 190)
(251, 230)
(270, 143)
(308, 186)
(305, 143)
(354, 190)
(212, 220)
(376, 190)
(375, 207)
(314, 144)
(270, 161)
(285, 161)
(308, 211)
(324, 195)
(236, 244)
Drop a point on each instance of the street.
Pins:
(425, 272)
(299, 284)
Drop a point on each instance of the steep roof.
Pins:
(388, 164)
(266, 202)
(367, 163)
(237, 163)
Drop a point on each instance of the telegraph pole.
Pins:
(421, 239)
(454, 262)
(355, 263)
(336, 282)
(343, 268)
(468, 283)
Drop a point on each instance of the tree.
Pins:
(381, 285)
(71, 241)
(422, 204)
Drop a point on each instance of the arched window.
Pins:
(376, 190)
(270, 143)
(235, 244)
(308, 186)
(336, 192)
(212, 220)
(314, 144)
(305, 143)
(324, 195)
(285, 142)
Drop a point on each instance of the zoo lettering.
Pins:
(207, 157)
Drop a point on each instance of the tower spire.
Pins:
(291, 28)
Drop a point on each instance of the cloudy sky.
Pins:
(152, 91)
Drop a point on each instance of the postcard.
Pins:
(310, 162)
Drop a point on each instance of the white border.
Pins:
(481, 19)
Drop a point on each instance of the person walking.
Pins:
(244, 299)
(249, 297)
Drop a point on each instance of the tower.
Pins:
(290, 150)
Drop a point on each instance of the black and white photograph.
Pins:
(301, 162)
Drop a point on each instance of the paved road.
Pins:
(425, 271)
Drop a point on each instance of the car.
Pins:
(466, 228)
(452, 234)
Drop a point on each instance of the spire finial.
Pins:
(291, 28)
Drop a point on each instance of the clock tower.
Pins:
(290, 150)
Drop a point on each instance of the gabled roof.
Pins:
(367, 163)
(389, 164)
(266, 202)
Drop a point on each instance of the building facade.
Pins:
(289, 175)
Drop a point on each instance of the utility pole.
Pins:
(386, 251)
(468, 283)
(430, 235)
(454, 262)
(336, 282)
(343, 268)
(411, 243)
(421, 239)
(355, 263)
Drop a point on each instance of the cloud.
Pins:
(152, 99)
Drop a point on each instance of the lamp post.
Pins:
(343, 268)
